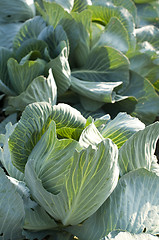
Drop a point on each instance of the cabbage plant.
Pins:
(68, 176)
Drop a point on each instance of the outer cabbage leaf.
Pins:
(89, 178)
(114, 35)
(53, 38)
(128, 236)
(61, 71)
(97, 91)
(41, 89)
(22, 75)
(147, 13)
(121, 128)
(80, 5)
(5, 54)
(35, 121)
(148, 33)
(133, 207)
(155, 166)
(30, 29)
(104, 64)
(36, 219)
(11, 209)
(147, 107)
(83, 24)
(77, 27)
(105, 11)
(6, 90)
(8, 33)
(51, 12)
(5, 85)
(11, 118)
(35, 216)
(128, 4)
(93, 105)
(6, 158)
(138, 151)
(67, 5)
(143, 64)
(16, 10)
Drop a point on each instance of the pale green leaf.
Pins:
(100, 122)
(69, 121)
(91, 177)
(104, 64)
(61, 71)
(5, 54)
(96, 31)
(147, 107)
(36, 219)
(12, 210)
(148, 33)
(129, 5)
(83, 29)
(138, 151)
(22, 75)
(16, 10)
(51, 12)
(114, 35)
(80, 5)
(41, 89)
(104, 12)
(140, 62)
(11, 118)
(8, 33)
(155, 166)
(67, 5)
(77, 27)
(53, 38)
(129, 236)
(6, 90)
(121, 128)
(35, 121)
(133, 207)
(145, 47)
(30, 29)
(97, 91)
(147, 13)
(6, 158)
(90, 136)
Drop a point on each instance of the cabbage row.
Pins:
(79, 84)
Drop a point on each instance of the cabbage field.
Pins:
(79, 111)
